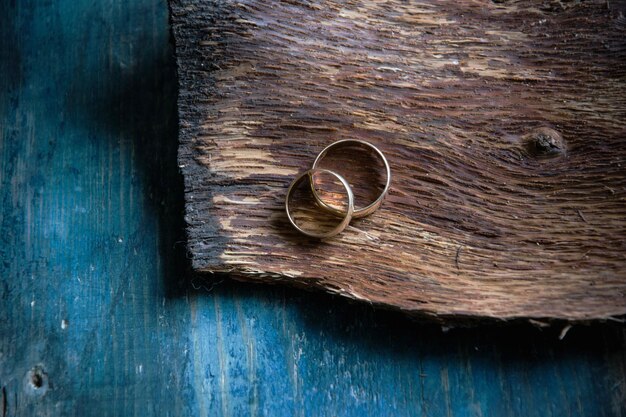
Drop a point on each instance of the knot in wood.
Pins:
(36, 381)
(544, 142)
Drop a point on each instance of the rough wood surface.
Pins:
(504, 124)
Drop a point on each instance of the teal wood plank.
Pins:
(96, 313)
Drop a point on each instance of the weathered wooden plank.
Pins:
(89, 212)
(504, 123)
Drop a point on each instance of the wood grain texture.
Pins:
(504, 124)
(91, 302)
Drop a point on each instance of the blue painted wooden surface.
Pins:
(97, 318)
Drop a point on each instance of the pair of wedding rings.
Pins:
(348, 213)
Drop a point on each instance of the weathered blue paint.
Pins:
(95, 318)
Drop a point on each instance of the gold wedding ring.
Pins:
(348, 214)
(358, 212)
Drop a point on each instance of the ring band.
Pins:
(346, 215)
(362, 212)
